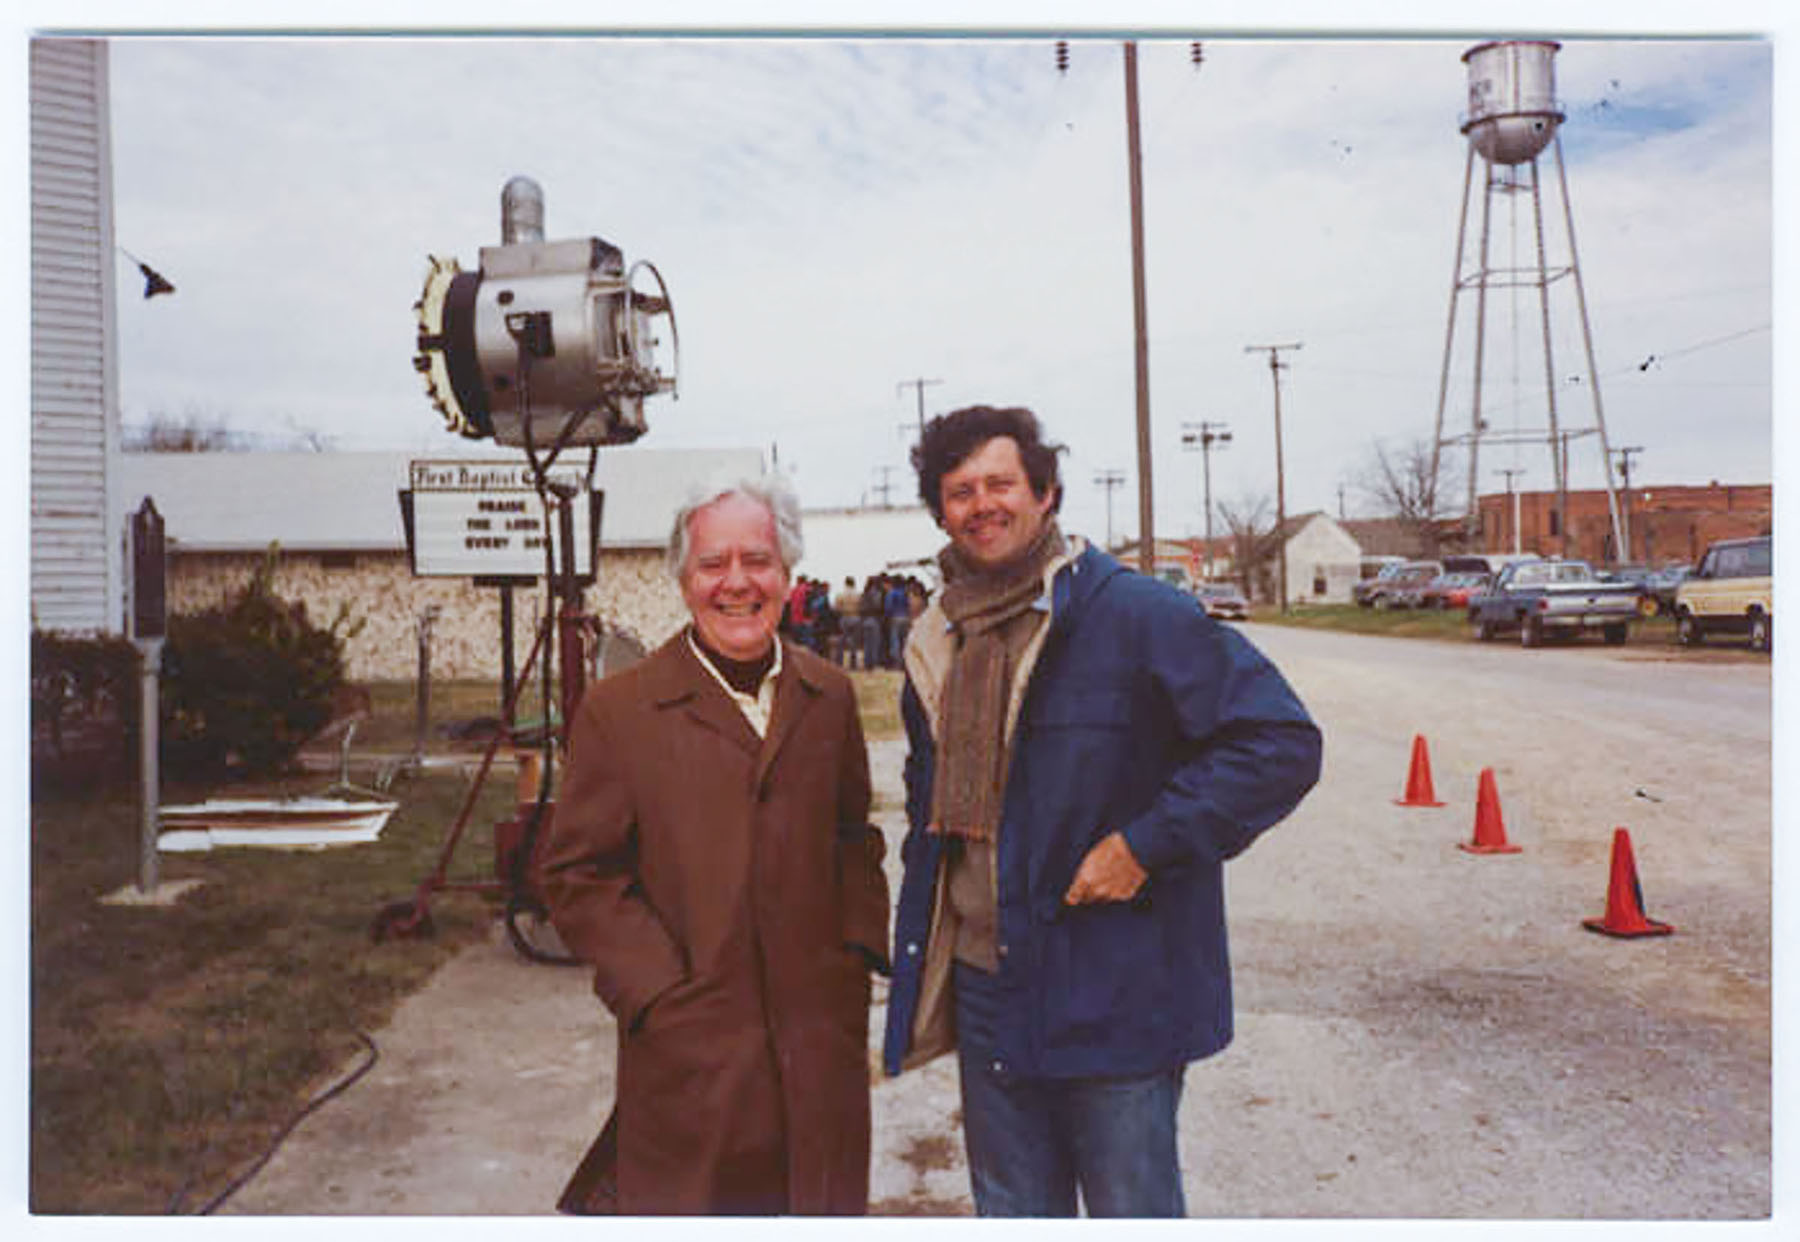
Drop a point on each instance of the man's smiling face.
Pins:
(733, 581)
(990, 511)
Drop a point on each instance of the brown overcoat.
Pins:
(725, 888)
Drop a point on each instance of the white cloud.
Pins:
(836, 217)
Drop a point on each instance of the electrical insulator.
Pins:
(1196, 53)
(1062, 55)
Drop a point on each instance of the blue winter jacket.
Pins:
(1143, 715)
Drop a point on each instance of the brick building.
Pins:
(1664, 524)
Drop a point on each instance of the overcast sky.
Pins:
(837, 217)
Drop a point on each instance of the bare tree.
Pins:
(193, 431)
(1250, 523)
(202, 431)
(1402, 486)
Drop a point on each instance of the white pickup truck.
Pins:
(1539, 598)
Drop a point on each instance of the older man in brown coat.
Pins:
(711, 856)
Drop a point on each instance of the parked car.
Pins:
(1385, 569)
(1390, 589)
(1449, 590)
(1662, 586)
(1540, 598)
(1222, 600)
(1731, 591)
(1487, 563)
(1638, 577)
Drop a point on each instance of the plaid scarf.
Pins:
(994, 621)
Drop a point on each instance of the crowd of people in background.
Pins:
(855, 627)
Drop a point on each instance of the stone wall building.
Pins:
(333, 523)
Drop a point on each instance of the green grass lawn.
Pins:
(169, 1045)
(1450, 625)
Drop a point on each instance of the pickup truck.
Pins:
(1539, 598)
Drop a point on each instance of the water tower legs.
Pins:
(1540, 276)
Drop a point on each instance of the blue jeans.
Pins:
(897, 631)
(1034, 1142)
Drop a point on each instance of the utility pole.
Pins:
(1562, 493)
(1205, 435)
(883, 488)
(1276, 366)
(1513, 497)
(1140, 315)
(1139, 300)
(918, 386)
(1625, 500)
(1111, 480)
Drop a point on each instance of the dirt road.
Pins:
(1422, 1032)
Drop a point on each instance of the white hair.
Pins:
(772, 491)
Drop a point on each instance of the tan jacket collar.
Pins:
(931, 646)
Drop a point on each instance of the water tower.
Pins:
(1512, 119)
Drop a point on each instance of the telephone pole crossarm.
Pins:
(918, 386)
(1205, 435)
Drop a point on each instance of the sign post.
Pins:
(148, 574)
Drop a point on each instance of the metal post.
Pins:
(1476, 423)
(146, 620)
(1456, 285)
(150, 746)
(1140, 315)
(422, 709)
(1543, 286)
(569, 617)
(508, 675)
(1587, 344)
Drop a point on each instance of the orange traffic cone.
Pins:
(1624, 899)
(1418, 777)
(1490, 829)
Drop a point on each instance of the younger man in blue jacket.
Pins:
(1087, 748)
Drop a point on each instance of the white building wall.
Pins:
(1323, 563)
(855, 543)
(76, 530)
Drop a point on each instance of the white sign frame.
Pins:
(480, 519)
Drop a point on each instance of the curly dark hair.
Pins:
(949, 439)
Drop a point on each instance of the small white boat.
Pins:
(272, 823)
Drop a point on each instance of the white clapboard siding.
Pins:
(75, 547)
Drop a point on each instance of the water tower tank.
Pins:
(1512, 99)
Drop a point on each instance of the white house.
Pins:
(76, 556)
(1323, 561)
